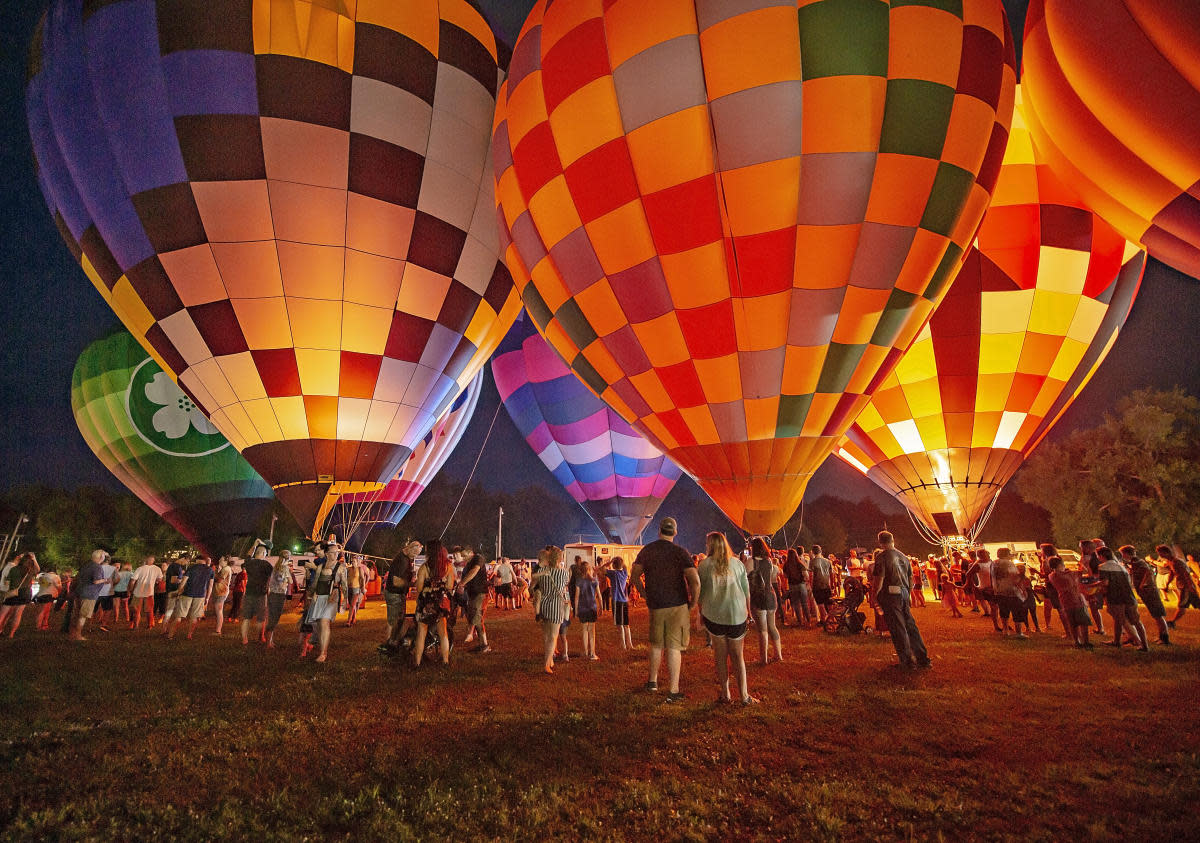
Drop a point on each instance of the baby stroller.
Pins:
(843, 613)
(433, 641)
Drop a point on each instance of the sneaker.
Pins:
(748, 700)
(652, 687)
(677, 696)
(1021, 635)
(926, 665)
(481, 649)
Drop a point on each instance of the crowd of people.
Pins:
(427, 587)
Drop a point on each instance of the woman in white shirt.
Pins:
(724, 608)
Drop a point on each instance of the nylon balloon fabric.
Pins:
(156, 441)
(352, 514)
(610, 470)
(288, 203)
(730, 218)
(1113, 100)
(1029, 318)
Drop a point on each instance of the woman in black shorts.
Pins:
(18, 591)
(724, 608)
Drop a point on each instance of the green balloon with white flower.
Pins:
(157, 442)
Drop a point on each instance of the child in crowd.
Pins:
(619, 578)
(950, 595)
(587, 586)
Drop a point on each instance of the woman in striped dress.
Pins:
(553, 604)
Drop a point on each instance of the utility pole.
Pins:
(10, 541)
(500, 534)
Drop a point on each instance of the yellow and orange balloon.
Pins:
(1112, 93)
(289, 204)
(1031, 315)
(730, 220)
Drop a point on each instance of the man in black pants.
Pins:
(893, 593)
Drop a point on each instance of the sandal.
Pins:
(748, 700)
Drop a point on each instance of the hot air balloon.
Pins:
(610, 470)
(731, 219)
(1034, 310)
(1112, 96)
(351, 514)
(289, 203)
(156, 441)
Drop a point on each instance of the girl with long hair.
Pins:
(762, 598)
(553, 603)
(435, 585)
(724, 609)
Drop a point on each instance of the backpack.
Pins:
(758, 583)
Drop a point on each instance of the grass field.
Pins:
(129, 736)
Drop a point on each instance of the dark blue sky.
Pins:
(49, 312)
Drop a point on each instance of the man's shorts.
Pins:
(254, 607)
(106, 603)
(1080, 617)
(87, 608)
(189, 608)
(172, 605)
(1153, 601)
(671, 628)
(822, 596)
(475, 609)
(504, 590)
(352, 593)
(395, 607)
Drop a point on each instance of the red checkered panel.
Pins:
(731, 217)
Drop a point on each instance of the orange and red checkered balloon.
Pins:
(1034, 310)
(289, 205)
(729, 218)
(1112, 93)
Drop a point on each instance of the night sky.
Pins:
(49, 312)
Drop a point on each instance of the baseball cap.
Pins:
(668, 527)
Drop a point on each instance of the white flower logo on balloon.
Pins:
(177, 413)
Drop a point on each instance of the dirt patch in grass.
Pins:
(130, 736)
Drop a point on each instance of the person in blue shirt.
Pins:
(89, 582)
(192, 595)
(618, 577)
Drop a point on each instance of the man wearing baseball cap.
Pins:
(671, 588)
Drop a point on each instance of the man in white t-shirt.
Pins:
(504, 584)
(141, 590)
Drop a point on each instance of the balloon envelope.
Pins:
(610, 470)
(1033, 312)
(157, 442)
(731, 220)
(289, 203)
(352, 515)
(1113, 99)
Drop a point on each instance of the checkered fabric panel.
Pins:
(730, 218)
(1120, 125)
(289, 204)
(1029, 317)
(609, 469)
(352, 513)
